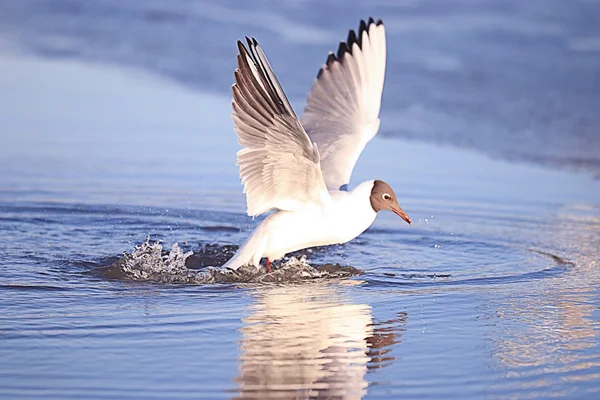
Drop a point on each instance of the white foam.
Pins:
(150, 263)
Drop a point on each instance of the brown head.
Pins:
(384, 198)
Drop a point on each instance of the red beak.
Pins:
(400, 212)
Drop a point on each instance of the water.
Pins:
(492, 292)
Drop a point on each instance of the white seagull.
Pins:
(301, 168)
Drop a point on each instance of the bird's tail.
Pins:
(249, 253)
(238, 260)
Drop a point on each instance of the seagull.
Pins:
(300, 168)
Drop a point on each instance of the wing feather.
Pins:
(342, 110)
(279, 165)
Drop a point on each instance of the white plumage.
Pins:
(342, 110)
(279, 165)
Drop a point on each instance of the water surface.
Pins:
(492, 292)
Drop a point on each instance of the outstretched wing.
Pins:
(279, 165)
(342, 110)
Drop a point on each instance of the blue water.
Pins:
(491, 293)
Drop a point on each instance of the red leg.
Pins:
(268, 265)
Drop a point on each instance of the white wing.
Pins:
(279, 165)
(342, 110)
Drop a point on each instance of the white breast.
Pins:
(346, 216)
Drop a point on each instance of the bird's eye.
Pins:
(386, 197)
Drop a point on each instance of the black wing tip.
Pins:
(363, 28)
(251, 41)
(320, 73)
(351, 39)
(371, 21)
(330, 59)
(342, 49)
(346, 47)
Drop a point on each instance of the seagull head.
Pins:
(384, 198)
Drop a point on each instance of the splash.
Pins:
(149, 262)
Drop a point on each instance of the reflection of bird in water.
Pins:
(385, 335)
(308, 342)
